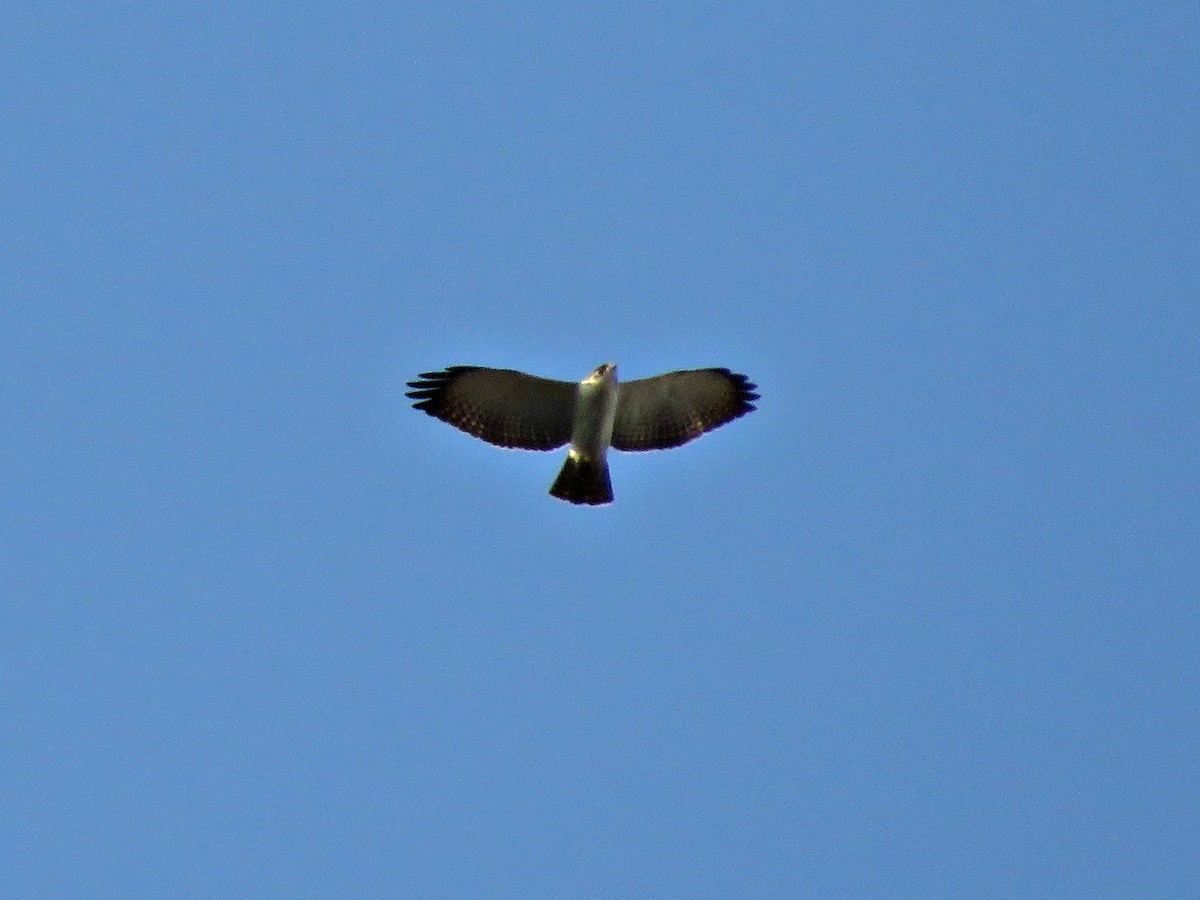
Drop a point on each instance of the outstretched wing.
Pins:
(672, 409)
(503, 407)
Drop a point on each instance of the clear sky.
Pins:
(925, 624)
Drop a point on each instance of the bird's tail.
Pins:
(583, 480)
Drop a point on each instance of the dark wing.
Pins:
(503, 407)
(672, 409)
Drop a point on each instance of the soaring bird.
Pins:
(512, 409)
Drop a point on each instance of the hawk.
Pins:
(512, 409)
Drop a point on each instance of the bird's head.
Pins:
(603, 372)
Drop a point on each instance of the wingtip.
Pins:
(428, 385)
(747, 390)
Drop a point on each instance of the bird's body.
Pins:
(512, 409)
(584, 475)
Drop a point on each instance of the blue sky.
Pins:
(924, 624)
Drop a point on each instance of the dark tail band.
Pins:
(583, 481)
